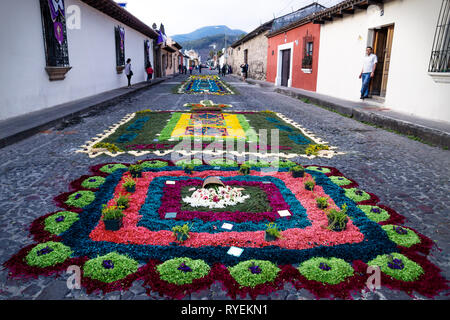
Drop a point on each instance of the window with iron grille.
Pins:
(440, 55)
(55, 34)
(120, 46)
(308, 44)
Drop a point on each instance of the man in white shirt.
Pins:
(367, 72)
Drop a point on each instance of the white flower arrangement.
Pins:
(218, 197)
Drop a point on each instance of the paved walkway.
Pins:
(408, 176)
(17, 128)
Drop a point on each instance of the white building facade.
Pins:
(91, 47)
(403, 32)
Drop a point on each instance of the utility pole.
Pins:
(225, 53)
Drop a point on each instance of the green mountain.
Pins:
(207, 32)
(204, 45)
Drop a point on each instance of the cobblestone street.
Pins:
(411, 177)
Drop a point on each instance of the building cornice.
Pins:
(113, 10)
(321, 17)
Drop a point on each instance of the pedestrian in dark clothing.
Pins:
(244, 71)
(224, 70)
(230, 71)
(190, 70)
(128, 72)
(180, 68)
(200, 68)
(185, 69)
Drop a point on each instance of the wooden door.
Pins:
(379, 47)
(285, 66)
(387, 60)
(382, 48)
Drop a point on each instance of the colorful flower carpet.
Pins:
(224, 232)
(214, 132)
(207, 84)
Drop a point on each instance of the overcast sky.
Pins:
(181, 16)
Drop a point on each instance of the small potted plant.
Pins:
(272, 232)
(245, 168)
(112, 216)
(181, 233)
(309, 185)
(123, 201)
(297, 171)
(135, 170)
(129, 185)
(188, 168)
(337, 220)
(322, 202)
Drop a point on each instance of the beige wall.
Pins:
(257, 57)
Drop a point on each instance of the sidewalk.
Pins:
(21, 127)
(433, 132)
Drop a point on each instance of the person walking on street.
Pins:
(190, 70)
(244, 71)
(367, 72)
(230, 70)
(200, 68)
(149, 71)
(224, 70)
(184, 69)
(128, 72)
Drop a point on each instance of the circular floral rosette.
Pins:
(331, 277)
(93, 182)
(110, 272)
(47, 258)
(398, 267)
(80, 199)
(182, 271)
(326, 270)
(59, 222)
(252, 273)
(48, 254)
(111, 167)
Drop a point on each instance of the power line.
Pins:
(286, 7)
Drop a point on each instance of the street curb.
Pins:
(426, 134)
(14, 137)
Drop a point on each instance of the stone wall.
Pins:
(257, 57)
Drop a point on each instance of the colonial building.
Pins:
(194, 58)
(170, 57)
(292, 51)
(412, 42)
(251, 50)
(63, 50)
